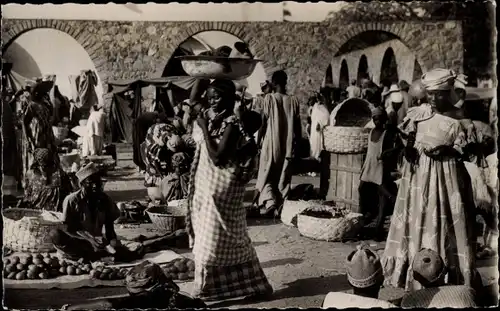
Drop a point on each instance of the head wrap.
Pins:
(41, 156)
(87, 171)
(146, 277)
(428, 267)
(396, 97)
(460, 82)
(364, 268)
(180, 159)
(226, 87)
(438, 79)
(417, 90)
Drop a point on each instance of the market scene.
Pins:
(250, 155)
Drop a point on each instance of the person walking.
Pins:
(280, 131)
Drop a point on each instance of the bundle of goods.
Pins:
(38, 266)
(103, 272)
(28, 230)
(180, 269)
(168, 218)
(219, 64)
(329, 223)
(346, 132)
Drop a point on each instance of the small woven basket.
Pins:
(25, 230)
(339, 139)
(333, 226)
(167, 218)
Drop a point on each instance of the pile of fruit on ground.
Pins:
(181, 269)
(102, 272)
(38, 266)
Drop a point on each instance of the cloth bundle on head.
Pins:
(428, 267)
(439, 79)
(41, 156)
(395, 95)
(224, 86)
(460, 81)
(87, 171)
(146, 277)
(364, 268)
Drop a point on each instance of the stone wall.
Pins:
(142, 49)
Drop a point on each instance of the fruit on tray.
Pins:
(181, 269)
(107, 273)
(42, 266)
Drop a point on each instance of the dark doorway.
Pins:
(363, 68)
(329, 76)
(417, 71)
(344, 75)
(389, 71)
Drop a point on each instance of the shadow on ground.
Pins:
(280, 262)
(127, 195)
(300, 288)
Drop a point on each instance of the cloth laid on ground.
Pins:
(226, 262)
(341, 300)
(62, 282)
(440, 297)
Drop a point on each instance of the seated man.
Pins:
(148, 288)
(86, 212)
(364, 273)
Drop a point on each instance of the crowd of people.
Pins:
(208, 151)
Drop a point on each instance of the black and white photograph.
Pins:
(250, 155)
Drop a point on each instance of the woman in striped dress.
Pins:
(226, 262)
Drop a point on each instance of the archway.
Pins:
(389, 69)
(363, 68)
(417, 71)
(329, 75)
(204, 41)
(344, 75)
(37, 52)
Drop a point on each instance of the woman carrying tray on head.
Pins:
(226, 262)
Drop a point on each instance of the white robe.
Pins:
(319, 116)
(94, 139)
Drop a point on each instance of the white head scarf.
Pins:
(439, 79)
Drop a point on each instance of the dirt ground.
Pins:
(301, 271)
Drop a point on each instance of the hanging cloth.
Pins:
(86, 89)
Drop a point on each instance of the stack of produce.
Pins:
(38, 266)
(181, 269)
(103, 272)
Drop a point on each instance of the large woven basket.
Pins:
(291, 209)
(329, 229)
(26, 231)
(340, 139)
(214, 67)
(167, 218)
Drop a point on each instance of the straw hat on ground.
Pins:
(364, 268)
(428, 267)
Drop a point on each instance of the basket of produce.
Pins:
(42, 266)
(28, 230)
(327, 223)
(180, 269)
(217, 67)
(106, 273)
(60, 133)
(167, 218)
(340, 139)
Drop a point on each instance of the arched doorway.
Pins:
(344, 75)
(49, 51)
(207, 40)
(329, 76)
(389, 70)
(363, 68)
(417, 71)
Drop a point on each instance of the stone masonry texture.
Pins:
(123, 50)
